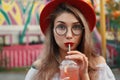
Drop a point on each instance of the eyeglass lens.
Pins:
(62, 29)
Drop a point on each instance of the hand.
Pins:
(80, 59)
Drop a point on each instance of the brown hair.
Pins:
(49, 64)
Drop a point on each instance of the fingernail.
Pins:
(68, 52)
(67, 57)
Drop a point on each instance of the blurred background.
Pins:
(21, 39)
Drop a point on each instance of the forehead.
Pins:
(66, 17)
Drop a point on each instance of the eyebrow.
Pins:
(73, 22)
(60, 22)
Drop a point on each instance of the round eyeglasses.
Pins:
(62, 29)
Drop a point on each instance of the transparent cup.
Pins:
(69, 70)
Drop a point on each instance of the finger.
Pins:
(76, 56)
(85, 63)
(66, 78)
(80, 59)
(74, 52)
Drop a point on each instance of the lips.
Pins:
(67, 43)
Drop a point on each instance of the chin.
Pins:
(64, 49)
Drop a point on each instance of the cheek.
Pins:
(77, 41)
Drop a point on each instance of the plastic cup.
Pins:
(69, 70)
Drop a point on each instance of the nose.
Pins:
(69, 34)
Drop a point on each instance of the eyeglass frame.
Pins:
(81, 28)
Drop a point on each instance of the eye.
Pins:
(77, 27)
(61, 27)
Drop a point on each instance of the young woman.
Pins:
(69, 21)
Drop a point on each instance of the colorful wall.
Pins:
(17, 12)
(24, 13)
